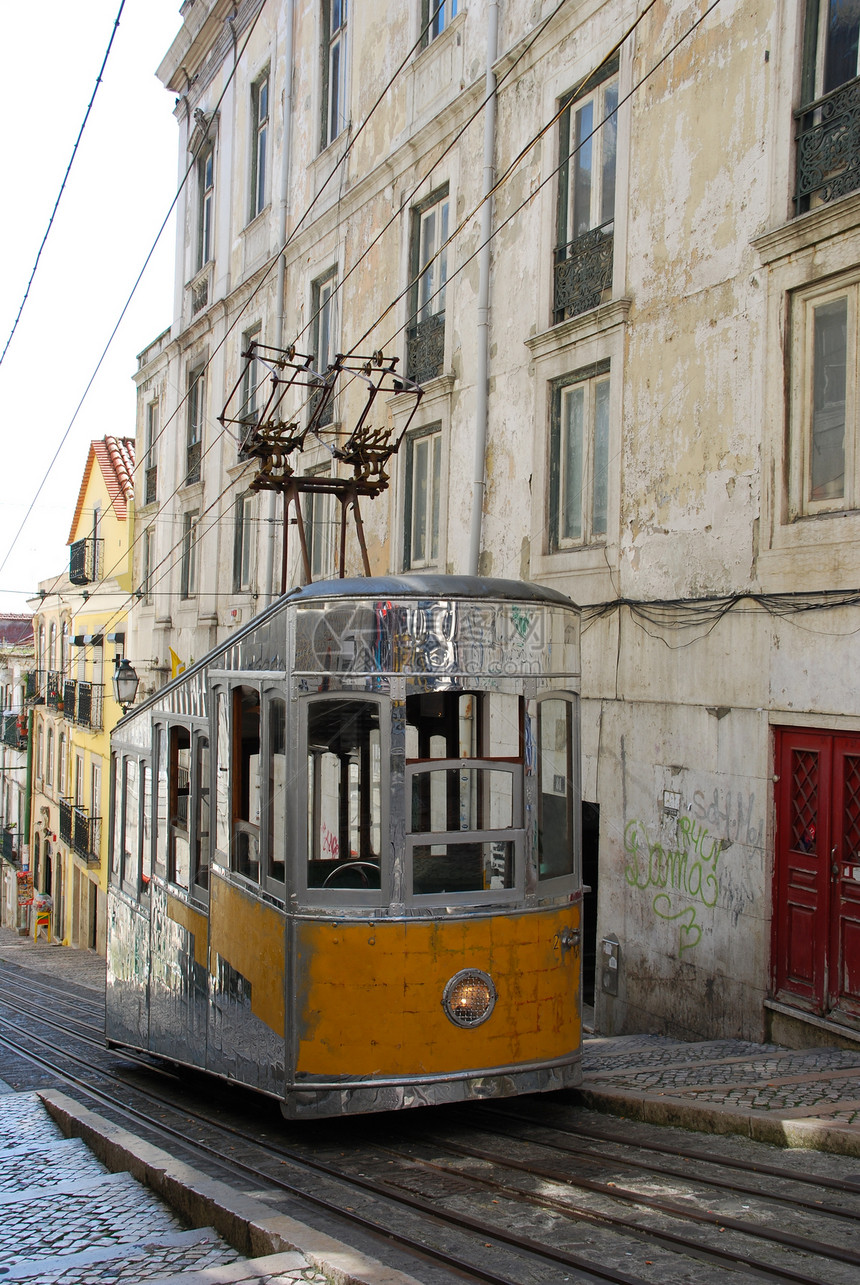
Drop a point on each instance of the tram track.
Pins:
(501, 1201)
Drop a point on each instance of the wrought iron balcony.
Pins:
(8, 849)
(86, 833)
(88, 707)
(150, 485)
(425, 349)
(828, 147)
(66, 824)
(582, 272)
(14, 729)
(54, 690)
(193, 455)
(85, 561)
(31, 685)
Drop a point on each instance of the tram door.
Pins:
(817, 893)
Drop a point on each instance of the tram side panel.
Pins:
(178, 987)
(127, 974)
(246, 987)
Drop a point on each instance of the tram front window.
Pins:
(464, 790)
(344, 794)
(246, 782)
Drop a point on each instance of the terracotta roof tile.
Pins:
(115, 456)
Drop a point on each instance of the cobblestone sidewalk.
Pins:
(805, 1097)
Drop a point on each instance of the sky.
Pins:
(119, 190)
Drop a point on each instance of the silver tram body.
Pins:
(345, 850)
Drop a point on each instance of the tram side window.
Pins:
(131, 814)
(200, 838)
(556, 789)
(162, 794)
(344, 794)
(246, 782)
(146, 829)
(222, 774)
(178, 864)
(117, 814)
(276, 804)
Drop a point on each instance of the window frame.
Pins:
(189, 560)
(243, 542)
(321, 529)
(205, 252)
(436, 17)
(803, 306)
(260, 122)
(324, 319)
(333, 48)
(194, 425)
(432, 435)
(591, 378)
(552, 884)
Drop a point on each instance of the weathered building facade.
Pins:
(80, 628)
(639, 367)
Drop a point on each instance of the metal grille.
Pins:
(425, 349)
(804, 800)
(66, 828)
(193, 474)
(828, 146)
(469, 997)
(54, 695)
(85, 561)
(851, 817)
(583, 272)
(150, 485)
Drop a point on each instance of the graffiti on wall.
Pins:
(685, 878)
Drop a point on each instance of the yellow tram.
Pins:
(345, 850)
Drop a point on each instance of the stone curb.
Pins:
(812, 1134)
(245, 1222)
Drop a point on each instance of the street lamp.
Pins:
(125, 683)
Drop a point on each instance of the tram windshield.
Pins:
(464, 782)
(344, 794)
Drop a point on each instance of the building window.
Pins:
(49, 758)
(425, 333)
(150, 436)
(189, 554)
(579, 458)
(320, 527)
(148, 564)
(206, 205)
(826, 461)
(582, 263)
(194, 425)
(334, 106)
(259, 144)
(324, 340)
(423, 482)
(243, 543)
(251, 376)
(435, 17)
(828, 120)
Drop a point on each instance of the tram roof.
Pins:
(476, 588)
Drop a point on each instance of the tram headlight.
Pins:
(469, 997)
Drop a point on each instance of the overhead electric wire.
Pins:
(65, 180)
(127, 303)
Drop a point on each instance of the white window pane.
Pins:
(609, 138)
(827, 463)
(582, 169)
(572, 429)
(600, 457)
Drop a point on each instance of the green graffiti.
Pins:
(688, 872)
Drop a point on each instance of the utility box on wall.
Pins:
(610, 959)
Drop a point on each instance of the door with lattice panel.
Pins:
(816, 939)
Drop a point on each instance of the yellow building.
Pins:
(80, 630)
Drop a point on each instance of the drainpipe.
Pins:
(280, 285)
(482, 373)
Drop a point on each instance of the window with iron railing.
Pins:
(85, 560)
(425, 333)
(66, 820)
(89, 710)
(585, 216)
(828, 120)
(54, 690)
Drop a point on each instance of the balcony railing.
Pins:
(54, 690)
(84, 704)
(31, 687)
(86, 834)
(85, 561)
(425, 349)
(193, 463)
(8, 848)
(66, 823)
(14, 731)
(828, 147)
(582, 272)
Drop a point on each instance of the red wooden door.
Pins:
(817, 876)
